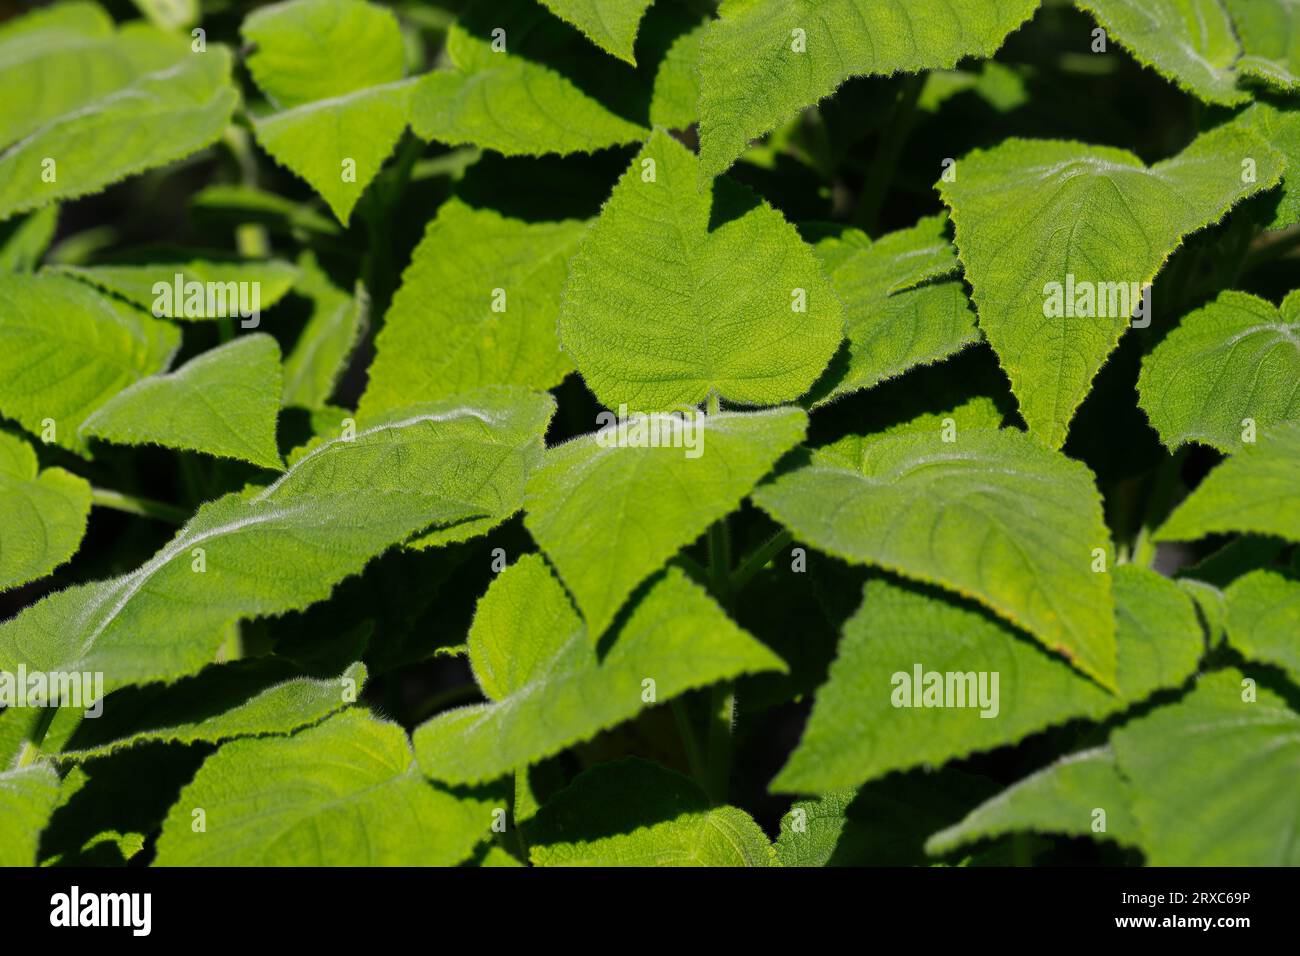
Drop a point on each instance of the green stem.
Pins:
(32, 746)
(888, 151)
(722, 717)
(759, 559)
(135, 505)
(694, 755)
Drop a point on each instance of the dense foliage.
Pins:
(555, 432)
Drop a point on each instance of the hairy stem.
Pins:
(759, 559)
(135, 505)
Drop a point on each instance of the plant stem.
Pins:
(759, 559)
(135, 505)
(888, 150)
(694, 755)
(32, 746)
(722, 717)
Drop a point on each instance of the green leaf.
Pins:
(170, 14)
(550, 687)
(334, 68)
(897, 316)
(223, 402)
(675, 293)
(674, 101)
(280, 548)
(865, 722)
(1213, 777)
(320, 355)
(1062, 798)
(157, 289)
(635, 813)
(883, 824)
(1264, 619)
(477, 306)
(991, 515)
(753, 74)
(1270, 38)
(344, 793)
(65, 369)
(24, 241)
(98, 101)
(513, 100)
(1235, 359)
(601, 512)
(1280, 128)
(1253, 491)
(253, 698)
(27, 798)
(1012, 204)
(611, 24)
(42, 514)
(1190, 42)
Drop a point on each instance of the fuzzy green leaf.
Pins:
(897, 317)
(1190, 42)
(1237, 358)
(321, 352)
(676, 292)
(1281, 129)
(98, 99)
(635, 813)
(334, 67)
(42, 514)
(27, 797)
(1270, 38)
(225, 702)
(156, 289)
(65, 350)
(753, 75)
(991, 515)
(549, 686)
(477, 306)
(1256, 491)
(611, 24)
(600, 512)
(223, 402)
(285, 546)
(1213, 777)
(512, 100)
(1029, 213)
(865, 723)
(344, 793)
(1264, 619)
(1062, 798)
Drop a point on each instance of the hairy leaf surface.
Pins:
(865, 725)
(611, 24)
(1237, 358)
(676, 292)
(514, 101)
(1255, 490)
(27, 797)
(609, 516)
(283, 547)
(223, 402)
(992, 515)
(635, 813)
(549, 685)
(344, 793)
(65, 350)
(1264, 619)
(1096, 222)
(42, 514)
(477, 306)
(1062, 798)
(1212, 777)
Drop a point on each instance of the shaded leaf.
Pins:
(42, 514)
